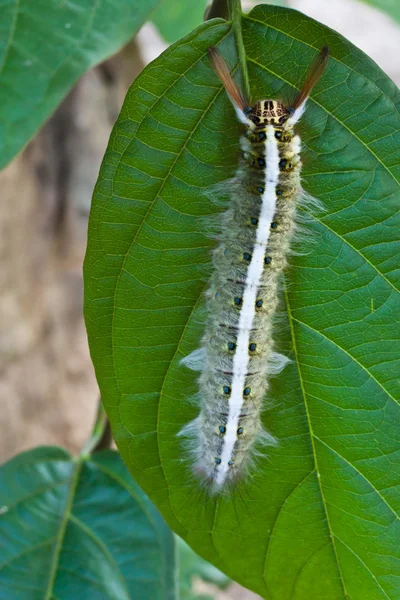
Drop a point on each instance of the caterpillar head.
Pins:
(268, 112)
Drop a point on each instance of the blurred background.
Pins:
(48, 391)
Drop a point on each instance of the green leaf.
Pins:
(72, 528)
(391, 7)
(45, 46)
(192, 566)
(174, 18)
(320, 517)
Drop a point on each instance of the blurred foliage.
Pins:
(391, 7)
(80, 528)
(174, 18)
(45, 46)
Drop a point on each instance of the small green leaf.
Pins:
(45, 46)
(320, 517)
(80, 529)
(174, 18)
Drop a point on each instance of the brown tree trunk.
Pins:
(48, 392)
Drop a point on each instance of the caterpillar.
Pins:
(236, 357)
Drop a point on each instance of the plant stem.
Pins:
(101, 437)
(232, 10)
(235, 13)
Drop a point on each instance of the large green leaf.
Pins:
(74, 528)
(45, 46)
(320, 518)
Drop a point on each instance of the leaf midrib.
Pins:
(312, 437)
(106, 552)
(296, 487)
(318, 471)
(62, 529)
(11, 35)
(136, 497)
(365, 566)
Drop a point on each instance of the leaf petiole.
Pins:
(235, 13)
(100, 437)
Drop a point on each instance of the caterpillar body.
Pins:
(236, 357)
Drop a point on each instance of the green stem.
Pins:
(232, 10)
(100, 437)
(235, 13)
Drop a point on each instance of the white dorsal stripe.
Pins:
(247, 313)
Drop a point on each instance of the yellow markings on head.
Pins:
(268, 112)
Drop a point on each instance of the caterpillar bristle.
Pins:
(276, 363)
(311, 204)
(314, 75)
(195, 360)
(222, 70)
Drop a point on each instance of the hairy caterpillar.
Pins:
(237, 350)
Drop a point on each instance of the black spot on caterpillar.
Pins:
(237, 355)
